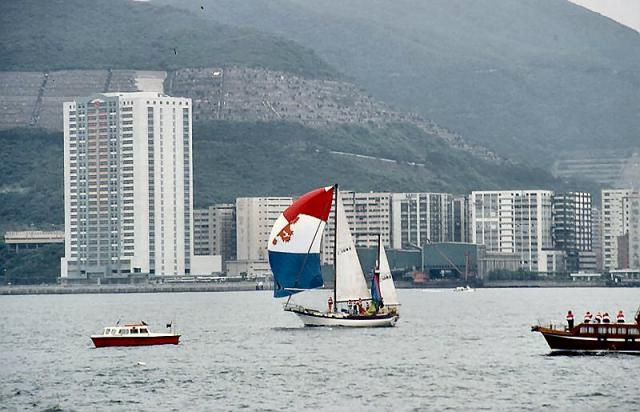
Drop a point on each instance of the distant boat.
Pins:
(464, 289)
(134, 334)
(294, 256)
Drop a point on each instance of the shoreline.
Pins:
(15, 290)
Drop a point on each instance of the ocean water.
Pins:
(449, 351)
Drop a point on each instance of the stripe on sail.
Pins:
(316, 203)
(295, 272)
(294, 243)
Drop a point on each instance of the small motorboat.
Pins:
(464, 289)
(134, 334)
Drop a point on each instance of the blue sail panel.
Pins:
(294, 272)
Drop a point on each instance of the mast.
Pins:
(379, 254)
(335, 249)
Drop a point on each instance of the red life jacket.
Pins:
(569, 316)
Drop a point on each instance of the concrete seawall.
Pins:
(149, 288)
(251, 286)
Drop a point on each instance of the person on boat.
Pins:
(598, 317)
(606, 318)
(587, 317)
(569, 318)
(330, 303)
(620, 317)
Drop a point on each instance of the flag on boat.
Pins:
(376, 296)
(294, 243)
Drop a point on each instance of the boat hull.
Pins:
(590, 344)
(588, 337)
(106, 341)
(314, 318)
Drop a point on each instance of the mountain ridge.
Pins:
(526, 79)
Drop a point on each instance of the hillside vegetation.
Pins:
(31, 186)
(277, 158)
(526, 78)
(233, 159)
(76, 34)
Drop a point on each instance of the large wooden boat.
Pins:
(593, 337)
(135, 334)
(294, 257)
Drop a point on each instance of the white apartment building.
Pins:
(513, 221)
(616, 221)
(368, 215)
(255, 216)
(418, 218)
(128, 186)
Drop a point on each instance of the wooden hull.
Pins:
(314, 318)
(105, 341)
(593, 338)
(589, 344)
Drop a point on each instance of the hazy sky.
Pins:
(626, 12)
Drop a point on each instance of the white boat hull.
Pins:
(314, 318)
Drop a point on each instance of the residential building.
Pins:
(214, 231)
(202, 228)
(572, 226)
(596, 237)
(513, 221)
(461, 227)
(128, 186)
(419, 218)
(633, 208)
(368, 215)
(223, 241)
(616, 208)
(255, 216)
(552, 261)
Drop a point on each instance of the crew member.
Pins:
(569, 318)
(587, 317)
(620, 317)
(606, 318)
(330, 303)
(598, 317)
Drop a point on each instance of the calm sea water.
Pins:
(460, 351)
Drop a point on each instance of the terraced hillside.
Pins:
(234, 93)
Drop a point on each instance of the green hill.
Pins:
(526, 78)
(288, 159)
(233, 159)
(76, 34)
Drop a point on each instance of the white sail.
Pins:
(350, 281)
(387, 287)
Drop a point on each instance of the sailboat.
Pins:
(294, 257)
